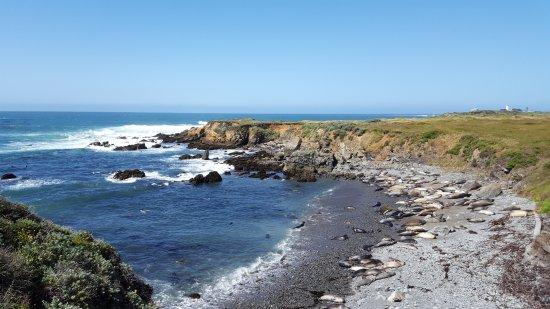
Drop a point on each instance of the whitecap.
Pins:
(168, 296)
(116, 136)
(23, 184)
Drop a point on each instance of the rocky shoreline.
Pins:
(465, 232)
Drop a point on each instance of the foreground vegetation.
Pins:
(44, 265)
(515, 144)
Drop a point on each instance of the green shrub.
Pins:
(428, 135)
(468, 143)
(518, 159)
(44, 265)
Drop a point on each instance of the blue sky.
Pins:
(274, 56)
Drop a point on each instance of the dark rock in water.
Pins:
(236, 153)
(188, 156)
(377, 204)
(133, 147)
(261, 174)
(276, 176)
(212, 177)
(197, 180)
(156, 146)
(194, 295)
(300, 225)
(100, 144)
(260, 161)
(227, 173)
(8, 176)
(123, 175)
(378, 189)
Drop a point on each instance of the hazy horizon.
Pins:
(281, 57)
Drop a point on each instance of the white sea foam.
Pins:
(22, 184)
(81, 139)
(190, 168)
(222, 289)
(193, 167)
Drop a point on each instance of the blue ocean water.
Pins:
(180, 238)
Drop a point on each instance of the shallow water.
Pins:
(180, 238)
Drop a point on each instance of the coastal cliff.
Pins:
(514, 148)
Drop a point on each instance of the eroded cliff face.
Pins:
(323, 148)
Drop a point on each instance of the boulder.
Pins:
(299, 173)
(123, 175)
(211, 177)
(489, 191)
(260, 174)
(197, 180)
(188, 156)
(8, 176)
(156, 146)
(133, 147)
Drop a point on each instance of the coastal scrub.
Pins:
(45, 265)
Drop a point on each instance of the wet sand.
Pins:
(310, 269)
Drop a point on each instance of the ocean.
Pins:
(180, 238)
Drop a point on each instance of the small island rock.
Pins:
(8, 176)
(123, 175)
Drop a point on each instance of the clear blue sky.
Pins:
(284, 56)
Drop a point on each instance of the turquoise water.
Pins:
(180, 238)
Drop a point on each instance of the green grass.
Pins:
(518, 141)
(468, 143)
(428, 135)
(44, 265)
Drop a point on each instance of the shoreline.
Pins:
(311, 266)
(465, 256)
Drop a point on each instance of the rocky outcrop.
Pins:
(126, 174)
(189, 156)
(260, 161)
(139, 146)
(100, 144)
(230, 134)
(211, 177)
(8, 176)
